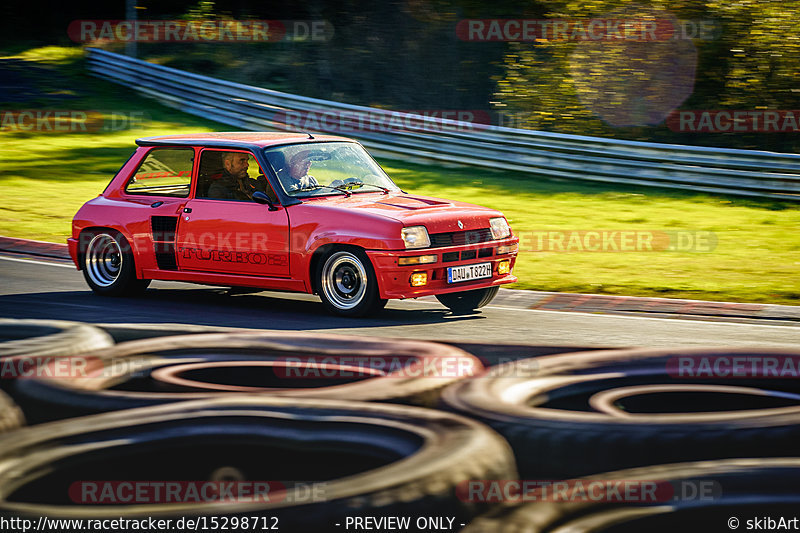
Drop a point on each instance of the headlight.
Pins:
(416, 237)
(500, 229)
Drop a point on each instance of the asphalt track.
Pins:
(33, 288)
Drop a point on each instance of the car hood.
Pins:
(437, 214)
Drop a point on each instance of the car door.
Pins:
(231, 236)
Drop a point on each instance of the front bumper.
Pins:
(394, 280)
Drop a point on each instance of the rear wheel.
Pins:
(347, 284)
(468, 301)
(108, 265)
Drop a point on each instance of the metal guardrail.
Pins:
(703, 169)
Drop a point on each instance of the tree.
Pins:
(740, 55)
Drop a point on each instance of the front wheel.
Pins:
(347, 284)
(108, 266)
(467, 301)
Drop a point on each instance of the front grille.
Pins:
(460, 238)
(449, 257)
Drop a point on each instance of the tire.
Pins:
(347, 284)
(575, 414)
(49, 338)
(367, 459)
(108, 265)
(23, 343)
(10, 415)
(132, 332)
(699, 496)
(298, 365)
(467, 301)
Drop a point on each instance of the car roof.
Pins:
(237, 139)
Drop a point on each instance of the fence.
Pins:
(702, 169)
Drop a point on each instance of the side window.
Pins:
(164, 172)
(231, 176)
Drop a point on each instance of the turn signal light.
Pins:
(417, 260)
(507, 248)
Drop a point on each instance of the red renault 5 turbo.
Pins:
(287, 212)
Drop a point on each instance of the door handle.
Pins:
(187, 209)
(157, 204)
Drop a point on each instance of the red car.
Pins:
(287, 212)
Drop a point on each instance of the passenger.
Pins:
(235, 183)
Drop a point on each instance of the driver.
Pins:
(299, 165)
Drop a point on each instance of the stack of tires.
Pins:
(714, 433)
(332, 424)
(26, 344)
(361, 459)
(290, 365)
(334, 428)
(749, 493)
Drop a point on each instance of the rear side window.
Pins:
(164, 172)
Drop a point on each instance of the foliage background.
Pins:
(404, 54)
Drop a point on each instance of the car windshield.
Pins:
(323, 169)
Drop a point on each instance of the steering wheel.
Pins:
(353, 182)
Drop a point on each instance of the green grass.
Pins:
(756, 258)
(45, 177)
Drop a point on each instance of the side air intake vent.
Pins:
(164, 241)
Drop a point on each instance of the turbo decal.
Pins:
(228, 256)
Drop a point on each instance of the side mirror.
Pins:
(263, 199)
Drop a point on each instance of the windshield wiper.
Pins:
(359, 184)
(315, 187)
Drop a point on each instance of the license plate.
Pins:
(469, 272)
